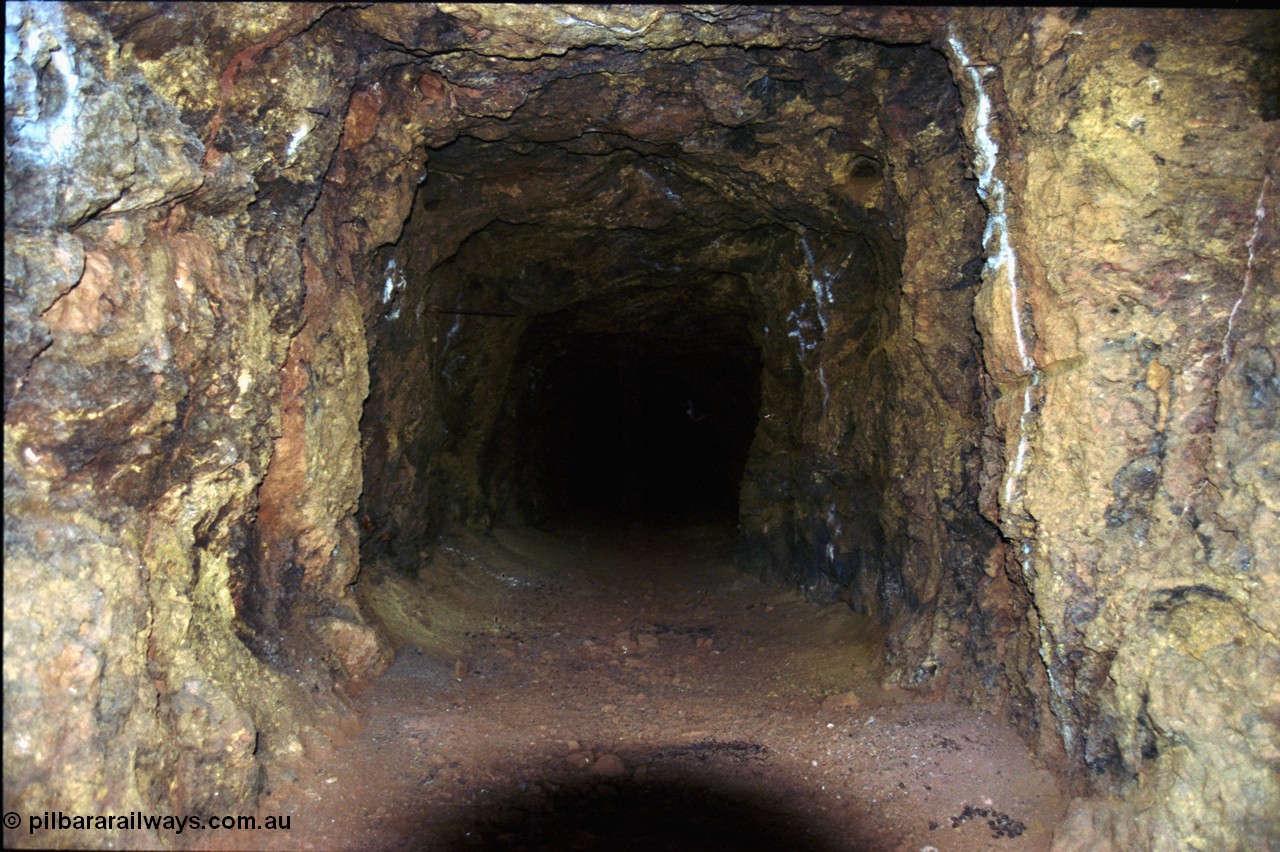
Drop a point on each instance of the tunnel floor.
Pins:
(613, 691)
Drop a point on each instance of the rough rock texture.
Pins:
(153, 303)
(1141, 154)
(970, 318)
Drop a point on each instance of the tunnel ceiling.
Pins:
(688, 139)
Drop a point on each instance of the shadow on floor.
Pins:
(668, 814)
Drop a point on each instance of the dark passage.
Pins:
(637, 329)
(649, 427)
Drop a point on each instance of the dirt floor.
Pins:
(635, 692)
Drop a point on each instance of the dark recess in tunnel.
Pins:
(647, 427)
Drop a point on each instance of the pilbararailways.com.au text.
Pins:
(138, 821)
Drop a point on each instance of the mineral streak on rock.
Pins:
(1002, 261)
(1260, 215)
(991, 187)
(291, 289)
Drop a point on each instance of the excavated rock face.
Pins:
(966, 319)
(1142, 174)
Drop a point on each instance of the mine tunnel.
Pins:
(642, 426)
(480, 424)
(628, 343)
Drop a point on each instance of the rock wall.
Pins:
(1139, 153)
(279, 277)
(166, 356)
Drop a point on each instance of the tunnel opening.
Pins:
(645, 428)
(638, 378)
(741, 297)
(736, 316)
